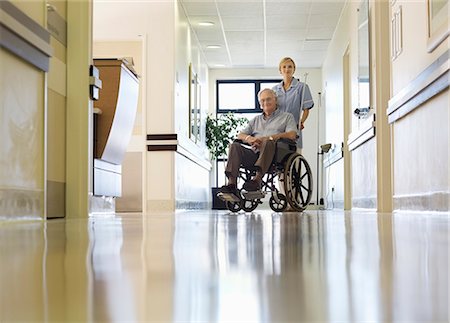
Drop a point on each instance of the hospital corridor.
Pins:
(203, 161)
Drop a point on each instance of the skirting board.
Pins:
(364, 202)
(192, 205)
(160, 205)
(16, 204)
(438, 201)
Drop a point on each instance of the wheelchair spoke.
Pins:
(298, 181)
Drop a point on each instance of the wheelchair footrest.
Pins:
(253, 195)
(228, 197)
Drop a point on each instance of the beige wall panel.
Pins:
(22, 139)
(59, 50)
(34, 9)
(56, 149)
(57, 76)
(364, 175)
(421, 149)
(22, 102)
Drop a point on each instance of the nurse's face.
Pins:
(287, 69)
(268, 102)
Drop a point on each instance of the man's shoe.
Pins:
(229, 193)
(251, 186)
(229, 189)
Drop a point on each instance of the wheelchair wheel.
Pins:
(249, 205)
(279, 206)
(234, 206)
(298, 184)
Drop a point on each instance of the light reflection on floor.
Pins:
(211, 266)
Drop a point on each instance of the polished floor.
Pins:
(211, 266)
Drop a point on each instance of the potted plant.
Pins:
(221, 130)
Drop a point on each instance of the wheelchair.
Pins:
(296, 180)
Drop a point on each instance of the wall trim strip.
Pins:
(161, 147)
(168, 136)
(23, 37)
(333, 158)
(367, 131)
(432, 81)
(182, 145)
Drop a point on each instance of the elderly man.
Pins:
(261, 134)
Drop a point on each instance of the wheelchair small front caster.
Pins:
(278, 202)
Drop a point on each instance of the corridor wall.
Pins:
(23, 97)
(419, 112)
(404, 164)
(176, 166)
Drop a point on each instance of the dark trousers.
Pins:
(240, 155)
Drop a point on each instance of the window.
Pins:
(240, 96)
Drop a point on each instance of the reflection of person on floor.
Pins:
(261, 134)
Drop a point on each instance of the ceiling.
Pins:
(258, 33)
(248, 34)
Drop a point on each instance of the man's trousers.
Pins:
(240, 155)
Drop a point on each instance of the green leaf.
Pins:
(221, 130)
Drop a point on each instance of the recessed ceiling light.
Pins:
(206, 23)
(213, 46)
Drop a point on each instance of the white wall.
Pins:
(420, 140)
(191, 161)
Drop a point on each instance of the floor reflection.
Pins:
(208, 266)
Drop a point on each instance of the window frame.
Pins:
(257, 83)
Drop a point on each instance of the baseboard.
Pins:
(160, 205)
(191, 205)
(364, 203)
(437, 201)
(17, 204)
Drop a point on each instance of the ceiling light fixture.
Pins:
(213, 46)
(206, 23)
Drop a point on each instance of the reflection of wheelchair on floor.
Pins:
(296, 179)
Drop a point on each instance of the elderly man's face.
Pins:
(268, 102)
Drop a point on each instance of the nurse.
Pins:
(293, 96)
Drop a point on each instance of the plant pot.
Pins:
(217, 203)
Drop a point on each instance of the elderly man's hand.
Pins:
(257, 141)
